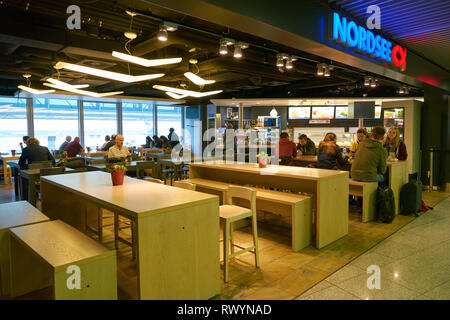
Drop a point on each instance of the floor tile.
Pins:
(371, 258)
(394, 250)
(330, 293)
(318, 287)
(441, 292)
(345, 273)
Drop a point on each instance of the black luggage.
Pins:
(411, 196)
(385, 204)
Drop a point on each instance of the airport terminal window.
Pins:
(138, 122)
(13, 123)
(169, 117)
(100, 119)
(54, 120)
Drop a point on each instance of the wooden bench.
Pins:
(49, 254)
(297, 207)
(14, 214)
(368, 192)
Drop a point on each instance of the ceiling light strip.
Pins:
(145, 62)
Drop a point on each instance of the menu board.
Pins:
(389, 114)
(341, 112)
(299, 112)
(322, 112)
(377, 112)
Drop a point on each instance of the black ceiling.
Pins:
(34, 36)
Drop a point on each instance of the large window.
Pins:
(138, 122)
(13, 123)
(54, 120)
(100, 119)
(169, 117)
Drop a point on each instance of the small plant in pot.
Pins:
(263, 159)
(63, 160)
(117, 171)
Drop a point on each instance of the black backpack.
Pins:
(385, 204)
(411, 196)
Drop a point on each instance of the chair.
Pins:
(52, 171)
(231, 213)
(154, 180)
(8, 174)
(184, 184)
(144, 167)
(40, 164)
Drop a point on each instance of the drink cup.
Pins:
(13, 152)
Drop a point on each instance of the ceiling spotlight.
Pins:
(162, 34)
(224, 43)
(164, 28)
(238, 47)
(406, 90)
(289, 64)
(320, 69)
(280, 60)
(367, 81)
(326, 71)
(373, 83)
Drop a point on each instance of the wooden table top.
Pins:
(29, 172)
(9, 156)
(284, 171)
(309, 158)
(104, 166)
(135, 197)
(20, 213)
(60, 244)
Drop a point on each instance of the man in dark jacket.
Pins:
(369, 163)
(110, 143)
(306, 145)
(34, 152)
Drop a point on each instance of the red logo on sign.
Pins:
(399, 57)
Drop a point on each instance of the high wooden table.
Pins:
(14, 214)
(398, 176)
(329, 189)
(177, 248)
(5, 158)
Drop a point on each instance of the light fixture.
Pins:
(367, 81)
(145, 62)
(224, 43)
(238, 47)
(289, 64)
(194, 94)
(130, 35)
(56, 84)
(34, 91)
(326, 71)
(176, 96)
(320, 67)
(107, 74)
(198, 80)
(373, 82)
(406, 90)
(76, 86)
(401, 90)
(164, 28)
(130, 12)
(280, 60)
(274, 113)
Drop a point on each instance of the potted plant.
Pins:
(63, 160)
(117, 171)
(263, 159)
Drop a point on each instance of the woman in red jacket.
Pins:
(286, 149)
(392, 143)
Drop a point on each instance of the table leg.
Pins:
(32, 190)
(24, 188)
(5, 172)
(16, 182)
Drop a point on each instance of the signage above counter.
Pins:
(355, 36)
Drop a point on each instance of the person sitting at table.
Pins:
(306, 146)
(34, 152)
(165, 143)
(286, 149)
(118, 150)
(361, 134)
(110, 143)
(369, 164)
(329, 152)
(157, 143)
(148, 142)
(24, 139)
(74, 148)
(64, 144)
(107, 140)
(394, 145)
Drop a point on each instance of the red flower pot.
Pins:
(262, 164)
(117, 177)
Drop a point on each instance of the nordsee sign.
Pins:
(358, 37)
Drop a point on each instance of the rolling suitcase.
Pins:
(411, 196)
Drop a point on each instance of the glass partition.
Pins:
(169, 117)
(54, 120)
(138, 123)
(100, 119)
(13, 123)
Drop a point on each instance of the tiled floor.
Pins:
(337, 271)
(414, 264)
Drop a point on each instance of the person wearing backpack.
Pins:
(369, 163)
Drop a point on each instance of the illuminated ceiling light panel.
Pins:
(68, 87)
(76, 86)
(176, 96)
(34, 91)
(186, 92)
(145, 62)
(198, 80)
(107, 74)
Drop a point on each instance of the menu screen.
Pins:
(299, 112)
(322, 112)
(341, 112)
(377, 112)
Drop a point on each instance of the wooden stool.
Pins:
(231, 213)
(184, 184)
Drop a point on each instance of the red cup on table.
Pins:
(13, 152)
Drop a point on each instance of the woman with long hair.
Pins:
(394, 144)
(329, 152)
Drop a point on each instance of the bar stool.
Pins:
(184, 184)
(231, 213)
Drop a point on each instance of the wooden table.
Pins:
(5, 158)
(144, 151)
(329, 188)
(398, 175)
(28, 180)
(50, 253)
(177, 247)
(14, 214)
(103, 167)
